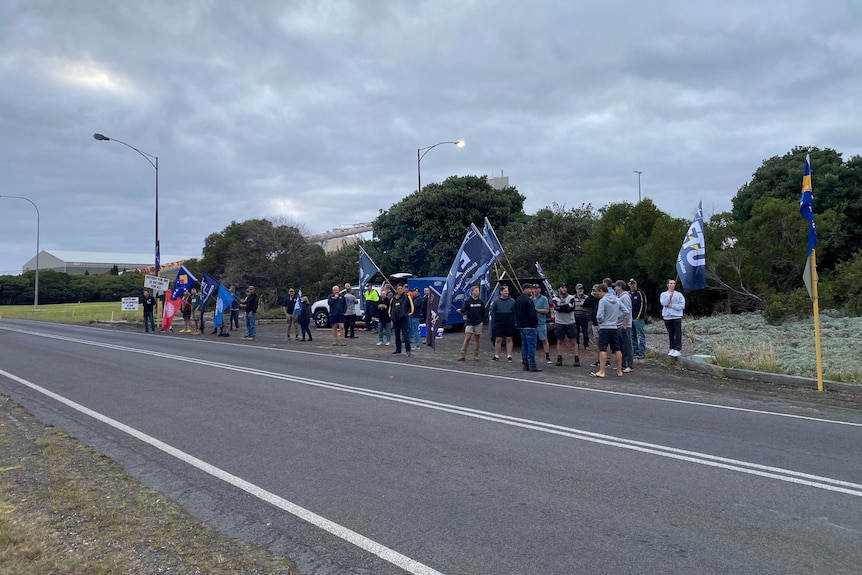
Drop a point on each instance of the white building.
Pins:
(72, 262)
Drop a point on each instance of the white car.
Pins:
(320, 310)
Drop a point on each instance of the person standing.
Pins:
(639, 309)
(337, 311)
(672, 306)
(251, 303)
(305, 317)
(371, 299)
(582, 318)
(149, 303)
(196, 309)
(415, 318)
(564, 325)
(543, 309)
(607, 315)
(186, 310)
(503, 323)
(624, 325)
(526, 319)
(234, 309)
(384, 322)
(350, 301)
(473, 310)
(400, 309)
(289, 305)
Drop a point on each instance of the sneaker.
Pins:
(396, 352)
(670, 352)
(548, 360)
(595, 364)
(535, 369)
(509, 358)
(495, 358)
(525, 366)
(388, 343)
(559, 361)
(628, 370)
(608, 363)
(676, 353)
(379, 343)
(577, 361)
(408, 354)
(639, 356)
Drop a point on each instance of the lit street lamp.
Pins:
(149, 158)
(639, 184)
(420, 153)
(36, 293)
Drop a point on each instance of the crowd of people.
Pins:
(608, 323)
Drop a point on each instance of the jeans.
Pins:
(250, 327)
(582, 329)
(387, 327)
(234, 318)
(305, 330)
(350, 325)
(413, 322)
(402, 332)
(626, 345)
(370, 311)
(528, 347)
(149, 323)
(674, 333)
(638, 337)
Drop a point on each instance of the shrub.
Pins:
(788, 305)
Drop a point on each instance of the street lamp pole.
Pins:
(155, 164)
(420, 153)
(36, 292)
(639, 184)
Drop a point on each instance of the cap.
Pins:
(633, 281)
(581, 286)
(562, 285)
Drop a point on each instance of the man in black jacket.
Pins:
(401, 308)
(527, 320)
(473, 310)
(251, 303)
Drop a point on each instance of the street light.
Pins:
(149, 158)
(36, 294)
(639, 184)
(420, 153)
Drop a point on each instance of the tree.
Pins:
(422, 233)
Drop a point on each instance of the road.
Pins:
(356, 465)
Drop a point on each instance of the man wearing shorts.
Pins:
(473, 310)
(608, 316)
(543, 308)
(564, 304)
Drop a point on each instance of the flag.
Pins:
(545, 281)
(184, 281)
(433, 320)
(223, 300)
(473, 254)
(691, 261)
(297, 309)
(367, 270)
(158, 258)
(806, 210)
(491, 240)
(209, 286)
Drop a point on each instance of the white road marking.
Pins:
(385, 553)
(781, 474)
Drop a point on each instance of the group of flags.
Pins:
(210, 287)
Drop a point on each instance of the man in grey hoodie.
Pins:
(608, 317)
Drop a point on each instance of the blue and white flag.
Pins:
(473, 254)
(209, 286)
(297, 309)
(367, 270)
(806, 210)
(491, 240)
(691, 261)
(223, 300)
(548, 288)
(184, 281)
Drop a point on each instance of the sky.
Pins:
(311, 112)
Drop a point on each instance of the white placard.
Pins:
(156, 283)
(130, 304)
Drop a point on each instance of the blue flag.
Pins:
(806, 209)
(491, 240)
(691, 261)
(473, 254)
(158, 259)
(297, 309)
(209, 285)
(550, 290)
(184, 281)
(367, 270)
(223, 300)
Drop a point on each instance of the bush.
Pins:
(788, 305)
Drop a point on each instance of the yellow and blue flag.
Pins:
(691, 261)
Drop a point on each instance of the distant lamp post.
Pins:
(420, 153)
(36, 292)
(155, 164)
(639, 184)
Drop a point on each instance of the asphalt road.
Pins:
(367, 465)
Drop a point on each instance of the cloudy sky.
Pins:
(312, 111)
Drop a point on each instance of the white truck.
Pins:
(320, 309)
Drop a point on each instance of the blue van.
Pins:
(437, 283)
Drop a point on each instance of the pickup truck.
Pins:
(320, 310)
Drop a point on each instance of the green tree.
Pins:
(422, 233)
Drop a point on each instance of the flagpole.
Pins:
(817, 356)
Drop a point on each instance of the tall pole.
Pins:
(639, 184)
(420, 153)
(36, 291)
